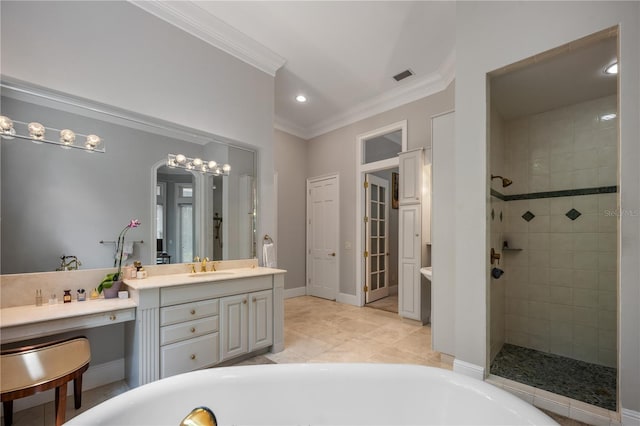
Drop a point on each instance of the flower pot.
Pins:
(112, 292)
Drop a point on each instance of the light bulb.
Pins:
(92, 142)
(301, 98)
(5, 124)
(181, 159)
(67, 137)
(190, 166)
(197, 162)
(36, 131)
(6, 127)
(212, 164)
(226, 168)
(612, 69)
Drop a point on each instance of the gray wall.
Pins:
(291, 166)
(119, 55)
(491, 35)
(335, 152)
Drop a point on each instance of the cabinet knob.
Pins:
(244, 301)
(193, 356)
(254, 299)
(193, 311)
(193, 329)
(112, 317)
(417, 235)
(332, 254)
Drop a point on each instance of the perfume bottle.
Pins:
(67, 296)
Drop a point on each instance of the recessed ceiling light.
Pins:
(301, 98)
(608, 117)
(611, 69)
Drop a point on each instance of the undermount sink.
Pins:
(426, 272)
(214, 273)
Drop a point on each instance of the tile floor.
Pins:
(316, 330)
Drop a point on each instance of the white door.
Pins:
(409, 262)
(377, 238)
(322, 237)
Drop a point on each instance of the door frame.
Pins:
(307, 229)
(361, 171)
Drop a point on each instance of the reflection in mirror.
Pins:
(59, 202)
(175, 215)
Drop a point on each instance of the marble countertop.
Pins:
(160, 281)
(20, 315)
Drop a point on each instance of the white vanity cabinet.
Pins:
(247, 323)
(188, 337)
(193, 323)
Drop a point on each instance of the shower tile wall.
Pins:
(497, 217)
(561, 292)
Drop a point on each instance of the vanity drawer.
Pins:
(187, 330)
(189, 355)
(188, 311)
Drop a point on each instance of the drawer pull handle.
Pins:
(193, 312)
(112, 317)
(193, 329)
(193, 356)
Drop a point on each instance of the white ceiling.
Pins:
(341, 55)
(576, 75)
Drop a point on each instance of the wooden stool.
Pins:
(38, 368)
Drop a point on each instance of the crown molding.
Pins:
(410, 92)
(289, 127)
(195, 20)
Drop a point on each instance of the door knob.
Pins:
(332, 254)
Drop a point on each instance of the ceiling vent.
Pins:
(404, 74)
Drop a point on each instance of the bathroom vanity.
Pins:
(189, 321)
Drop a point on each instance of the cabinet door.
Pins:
(233, 326)
(260, 320)
(409, 245)
(410, 185)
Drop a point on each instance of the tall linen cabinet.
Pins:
(414, 234)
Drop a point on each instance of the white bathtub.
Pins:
(318, 394)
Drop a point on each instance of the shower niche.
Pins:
(554, 193)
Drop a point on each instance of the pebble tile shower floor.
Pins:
(590, 383)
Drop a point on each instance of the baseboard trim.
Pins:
(95, 376)
(468, 369)
(348, 299)
(630, 417)
(295, 292)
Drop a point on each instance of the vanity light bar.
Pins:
(37, 133)
(197, 165)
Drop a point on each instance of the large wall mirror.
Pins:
(66, 202)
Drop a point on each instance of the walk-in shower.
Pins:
(553, 313)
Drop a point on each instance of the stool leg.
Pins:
(61, 403)
(8, 412)
(77, 391)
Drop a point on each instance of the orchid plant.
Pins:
(109, 279)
